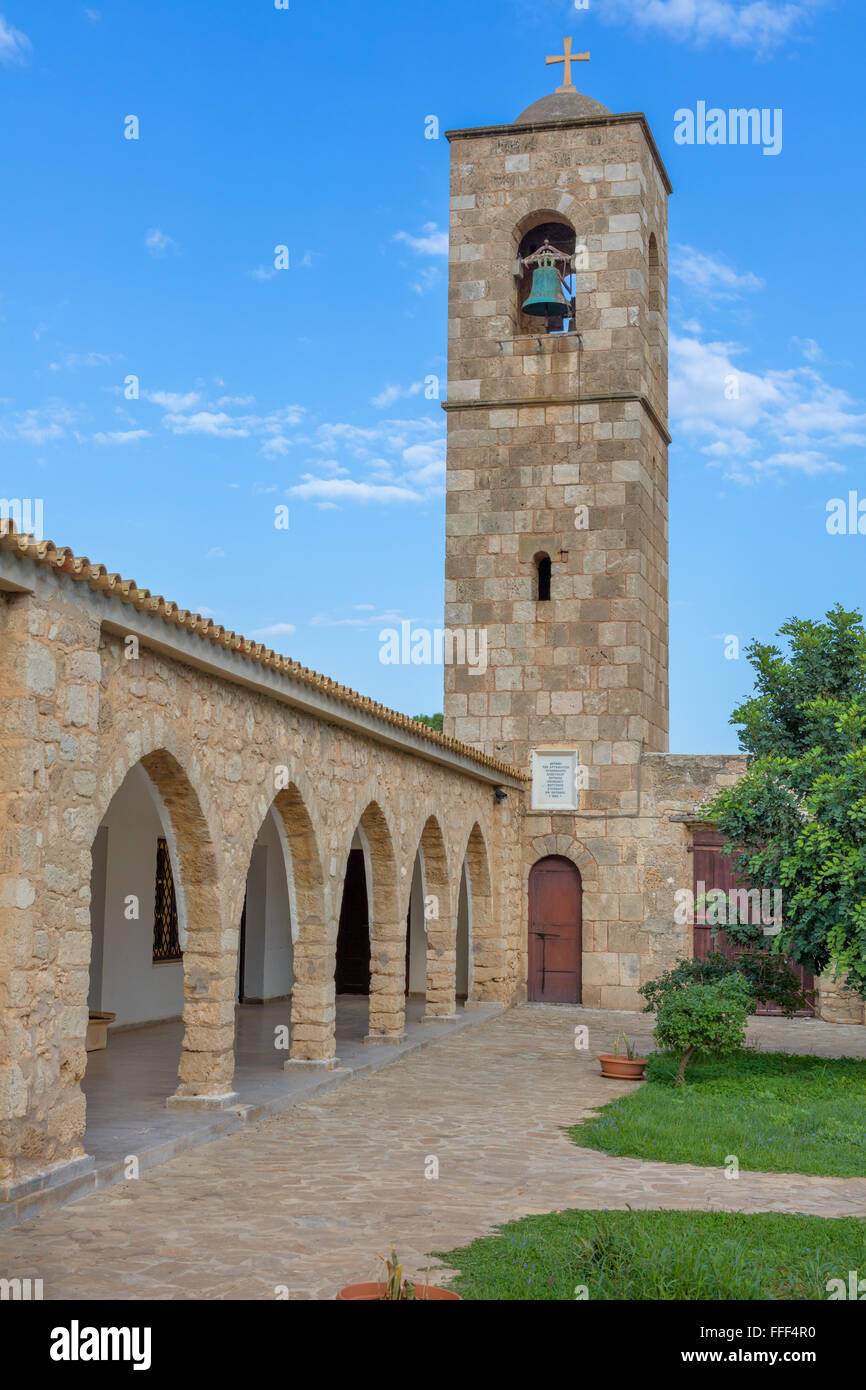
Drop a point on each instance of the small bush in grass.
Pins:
(703, 1018)
(770, 978)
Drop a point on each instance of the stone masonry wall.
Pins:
(631, 867)
(558, 446)
(78, 714)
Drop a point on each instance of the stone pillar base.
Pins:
(393, 1039)
(836, 1004)
(440, 1018)
(66, 1170)
(225, 1102)
(317, 1063)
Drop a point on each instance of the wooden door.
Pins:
(712, 869)
(353, 934)
(554, 932)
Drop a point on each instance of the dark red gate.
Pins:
(712, 869)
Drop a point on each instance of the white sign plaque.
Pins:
(555, 779)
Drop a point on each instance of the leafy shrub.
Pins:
(770, 979)
(703, 1018)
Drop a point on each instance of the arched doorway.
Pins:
(554, 932)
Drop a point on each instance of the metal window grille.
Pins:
(166, 939)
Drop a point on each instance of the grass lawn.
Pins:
(660, 1255)
(777, 1112)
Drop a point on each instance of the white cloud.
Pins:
(40, 426)
(432, 242)
(216, 423)
(175, 401)
(121, 436)
(756, 24)
(347, 490)
(425, 462)
(372, 618)
(263, 272)
(181, 417)
(158, 242)
(14, 46)
(404, 460)
(754, 424)
(216, 552)
(390, 394)
(275, 630)
(73, 360)
(809, 348)
(709, 276)
(428, 277)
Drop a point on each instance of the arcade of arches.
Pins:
(193, 826)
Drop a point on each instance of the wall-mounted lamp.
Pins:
(500, 796)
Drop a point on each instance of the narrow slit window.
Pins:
(655, 298)
(542, 579)
(166, 937)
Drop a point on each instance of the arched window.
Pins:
(561, 238)
(542, 578)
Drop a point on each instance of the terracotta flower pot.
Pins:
(375, 1293)
(623, 1068)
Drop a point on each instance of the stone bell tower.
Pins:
(557, 441)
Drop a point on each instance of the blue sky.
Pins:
(304, 387)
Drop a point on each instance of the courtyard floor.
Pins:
(306, 1200)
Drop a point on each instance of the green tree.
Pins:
(433, 721)
(703, 1018)
(797, 819)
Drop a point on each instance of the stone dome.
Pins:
(562, 106)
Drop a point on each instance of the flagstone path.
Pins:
(304, 1202)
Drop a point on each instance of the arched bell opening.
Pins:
(545, 278)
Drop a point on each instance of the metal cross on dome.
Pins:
(567, 57)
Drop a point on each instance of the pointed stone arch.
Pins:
(206, 1066)
(313, 1011)
(387, 925)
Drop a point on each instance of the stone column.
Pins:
(441, 969)
(207, 1059)
(314, 1009)
(387, 982)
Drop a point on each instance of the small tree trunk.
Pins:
(684, 1061)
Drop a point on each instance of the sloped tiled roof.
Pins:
(77, 567)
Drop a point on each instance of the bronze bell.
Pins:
(546, 299)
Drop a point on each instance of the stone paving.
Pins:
(305, 1201)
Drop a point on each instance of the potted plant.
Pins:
(623, 1064)
(394, 1289)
